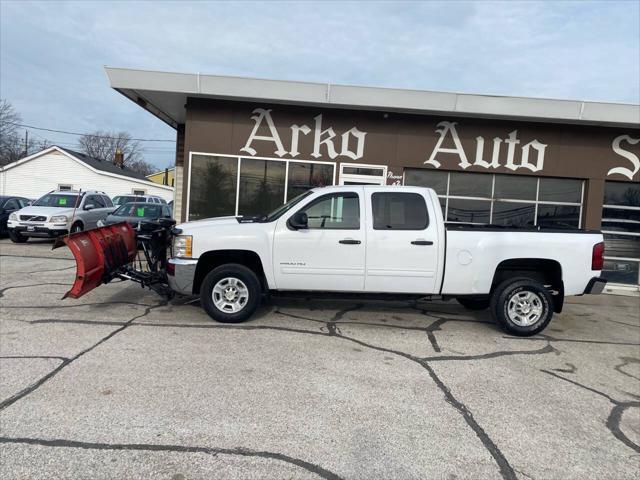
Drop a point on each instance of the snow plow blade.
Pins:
(100, 254)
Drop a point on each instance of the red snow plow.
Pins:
(120, 251)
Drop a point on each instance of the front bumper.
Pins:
(595, 286)
(180, 274)
(40, 229)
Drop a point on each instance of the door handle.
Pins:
(348, 241)
(422, 242)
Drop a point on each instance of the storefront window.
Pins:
(514, 187)
(511, 200)
(560, 190)
(212, 192)
(468, 211)
(470, 185)
(304, 176)
(514, 214)
(261, 186)
(427, 178)
(621, 229)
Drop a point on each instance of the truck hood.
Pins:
(45, 211)
(216, 222)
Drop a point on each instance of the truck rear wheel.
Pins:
(16, 237)
(474, 303)
(230, 293)
(522, 306)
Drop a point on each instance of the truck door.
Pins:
(402, 248)
(329, 254)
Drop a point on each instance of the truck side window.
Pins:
(336, 211)
(399, 211)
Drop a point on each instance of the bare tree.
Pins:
(12, 145)
(104, 144)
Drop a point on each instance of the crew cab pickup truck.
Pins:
(391, 240)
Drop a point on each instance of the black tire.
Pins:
(474, 303)
(246, 277)
(77, 227)
(16, 237)
(508, 318)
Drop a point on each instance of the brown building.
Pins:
(245, 146)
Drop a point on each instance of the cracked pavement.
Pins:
(122, 384)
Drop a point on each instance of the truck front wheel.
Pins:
(230, 293)
(522, 306)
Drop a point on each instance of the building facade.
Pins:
(246, 148)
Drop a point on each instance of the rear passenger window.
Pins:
(338, 211)
(399, 211)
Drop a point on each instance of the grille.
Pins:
(32, 218)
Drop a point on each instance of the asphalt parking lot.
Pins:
(121, 384)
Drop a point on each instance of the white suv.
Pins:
(122, 199)
(58, 213)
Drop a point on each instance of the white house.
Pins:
(60, 168)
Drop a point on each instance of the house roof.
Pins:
(104, 166)
(165, 94)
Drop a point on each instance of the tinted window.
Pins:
(304, 176)
(166, 211)
(427, 178)
(560, 190)
(12, 204)
(261, 186)
(340, 211)
(622, 193)
(96, 200)
(515, 187)
(514, 214)
(107, 201)
(558, 216)
(468, 211)
(378, 172)
(470, 184)
(399, 211)
(213, 186)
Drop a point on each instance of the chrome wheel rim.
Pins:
(525, 308)
(230, 295)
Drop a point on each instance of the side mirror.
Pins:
(89, 206)
(299, 221)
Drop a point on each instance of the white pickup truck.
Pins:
(391, 240)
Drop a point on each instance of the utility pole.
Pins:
(26, 143)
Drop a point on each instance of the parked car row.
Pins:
(66, 211)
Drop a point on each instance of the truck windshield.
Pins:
(282, 209)
(138, 210)
(63, 201)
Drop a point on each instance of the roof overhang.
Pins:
(165, 94)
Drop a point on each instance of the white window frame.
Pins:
(239, 160)
(134, 190)
(354, 177)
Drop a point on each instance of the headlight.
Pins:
(58, 219)
(182, 246)
(100, 223)
(13, 217)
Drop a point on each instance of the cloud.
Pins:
(52, 53)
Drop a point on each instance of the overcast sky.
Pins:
(52, 53)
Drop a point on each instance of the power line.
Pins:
(88, 134)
